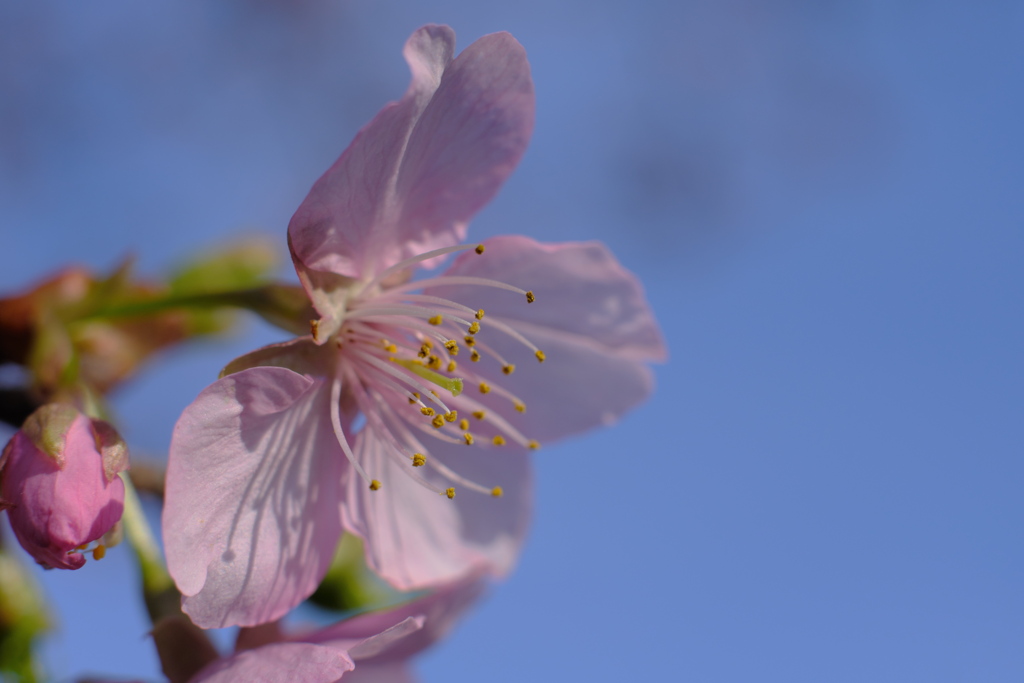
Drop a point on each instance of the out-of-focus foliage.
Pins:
(23, 618)
(78, 334)
(349, 585)
(239, 266)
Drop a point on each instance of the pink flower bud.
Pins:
(59, 483)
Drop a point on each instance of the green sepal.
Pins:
(349, 586)
(112, 448)
(48, 428)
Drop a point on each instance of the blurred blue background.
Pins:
(824, 201)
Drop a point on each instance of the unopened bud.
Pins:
(59, 483)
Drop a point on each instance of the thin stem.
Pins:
(158, 590)
(283, 305)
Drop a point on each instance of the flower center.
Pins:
(397, 365)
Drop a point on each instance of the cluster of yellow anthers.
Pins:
(98, 552)
(423, 334)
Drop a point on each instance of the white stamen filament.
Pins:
(408, 317)
(399, 346)
(408, 378)
(396, 387)
(498, 324)
(432, 460)
(413, 260)
(429, 299)
(503, 426)
(387, 436)
(480, 346)
(445, 280)
(336, 423)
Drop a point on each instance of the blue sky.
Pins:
(824, 202)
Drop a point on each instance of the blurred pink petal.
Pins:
(280, 663)
(437, 613)
(377, 644)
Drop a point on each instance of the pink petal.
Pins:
(280, 663)
(468, 140)
(582, 290)
(299, 355)
(385, 672)
(416, 537)
(366, 647)
(251, 514)
(415, 175)
(590, 318)
(333, 229)
(436, 613)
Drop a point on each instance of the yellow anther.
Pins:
(390, 348)
(485, 388)
(530, 298)
(497, 492)
(452, 416)
(99, 552)
(498, 440)
(474, 327)
(479, 314)
(479, 248)
(520, 407)
(469, 438)
(479, 414)
(418, 460)
(429, 344)
(314, 329)
(533, 445)
(424, 351)
(427, 410)
(469, 341)
(452, 365)
(450, 492)
(416, 395)
(474, 355)
(436, 320)
(464, 424)
(438, 421)
(508, 369)
(374, 485)
(540, 356)
(434, 363)
(82, 547)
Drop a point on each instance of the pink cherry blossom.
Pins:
(405, 417)
(59, 483)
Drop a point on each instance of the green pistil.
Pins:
(452, 384)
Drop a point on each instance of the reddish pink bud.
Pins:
(59, 483)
